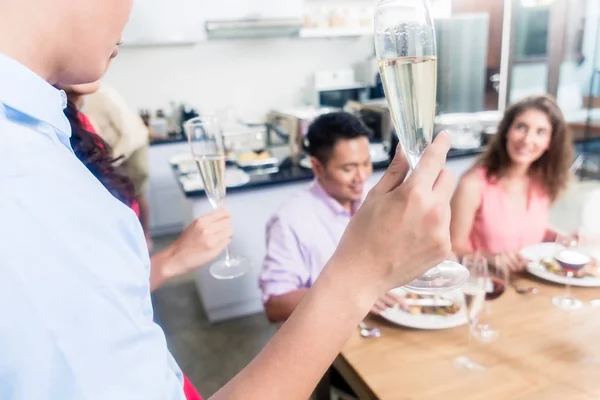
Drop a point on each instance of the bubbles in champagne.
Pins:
(410, 86)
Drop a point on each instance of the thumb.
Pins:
(395, 174)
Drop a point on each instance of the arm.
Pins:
(284, 277)
(464, 205)
(145, 218)
(279, 308)
(375, 254)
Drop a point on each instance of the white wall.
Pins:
(253, 76)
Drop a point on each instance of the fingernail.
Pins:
(443, 133)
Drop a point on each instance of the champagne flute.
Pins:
(475, 292)
(208, 151)
(406, 52)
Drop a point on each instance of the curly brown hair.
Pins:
(552, 169)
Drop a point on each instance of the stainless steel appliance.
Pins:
(335, 89)
(462, 59)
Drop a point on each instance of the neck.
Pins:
(20, 41)
(345, 203)
(76, 99)
(517, 172)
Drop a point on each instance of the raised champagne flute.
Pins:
(206, 141)
(406, 52)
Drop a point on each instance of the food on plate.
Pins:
(253, 156)
(410, 304)
(554, 267)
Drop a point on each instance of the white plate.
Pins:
(418, 321)
(540, 250)
(234, 177)
(545, 250)
(305, 162)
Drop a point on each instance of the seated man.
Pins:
(303, 234)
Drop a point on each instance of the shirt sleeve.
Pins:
(285, 268)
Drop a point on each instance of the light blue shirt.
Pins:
(75, 310)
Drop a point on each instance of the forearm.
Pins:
(144, 213)
(292, 363)
(160, 268)
(279, 308)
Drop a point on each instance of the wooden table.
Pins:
(542, 353)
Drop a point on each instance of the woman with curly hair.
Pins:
(502, 204)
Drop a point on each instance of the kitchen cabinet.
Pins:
(230, 10)
(164, 22)
(168, 205)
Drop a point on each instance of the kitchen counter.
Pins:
(169, 140)
(291, 174)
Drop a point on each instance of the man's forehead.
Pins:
(346, 149)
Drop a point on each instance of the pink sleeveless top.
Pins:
(497, 229)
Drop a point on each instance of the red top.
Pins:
(190, 391)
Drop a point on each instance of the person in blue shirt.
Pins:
(76, 320)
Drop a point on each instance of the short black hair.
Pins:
(328, 129)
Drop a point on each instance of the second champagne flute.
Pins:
(406, 52)
(208, 150)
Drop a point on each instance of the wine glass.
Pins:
(478, 318)
(571, 258)
(406, 52)
(208, 151)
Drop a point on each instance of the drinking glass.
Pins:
(571, 257)
(406, 53)
(208, 151)
(478, 317)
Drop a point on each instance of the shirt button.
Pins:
(63, 99)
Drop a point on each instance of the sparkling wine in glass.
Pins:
(406, 53)
(571, 259)
(208, 151)
(475, 292)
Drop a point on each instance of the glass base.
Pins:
(445, 277)
(465, 363)
(484, 333)
(230, 269)
(566, 302)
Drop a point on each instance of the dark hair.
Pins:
(95, 154)
(552, 169)
(328, 129)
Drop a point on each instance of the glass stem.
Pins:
(469, 338)
(568, 285)
(227, 256)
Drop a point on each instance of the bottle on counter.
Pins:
(145, 116)
(159, 126)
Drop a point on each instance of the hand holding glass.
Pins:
(208, 150)
(406, 50)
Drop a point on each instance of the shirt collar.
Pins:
(317, 189)
(26, 92)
